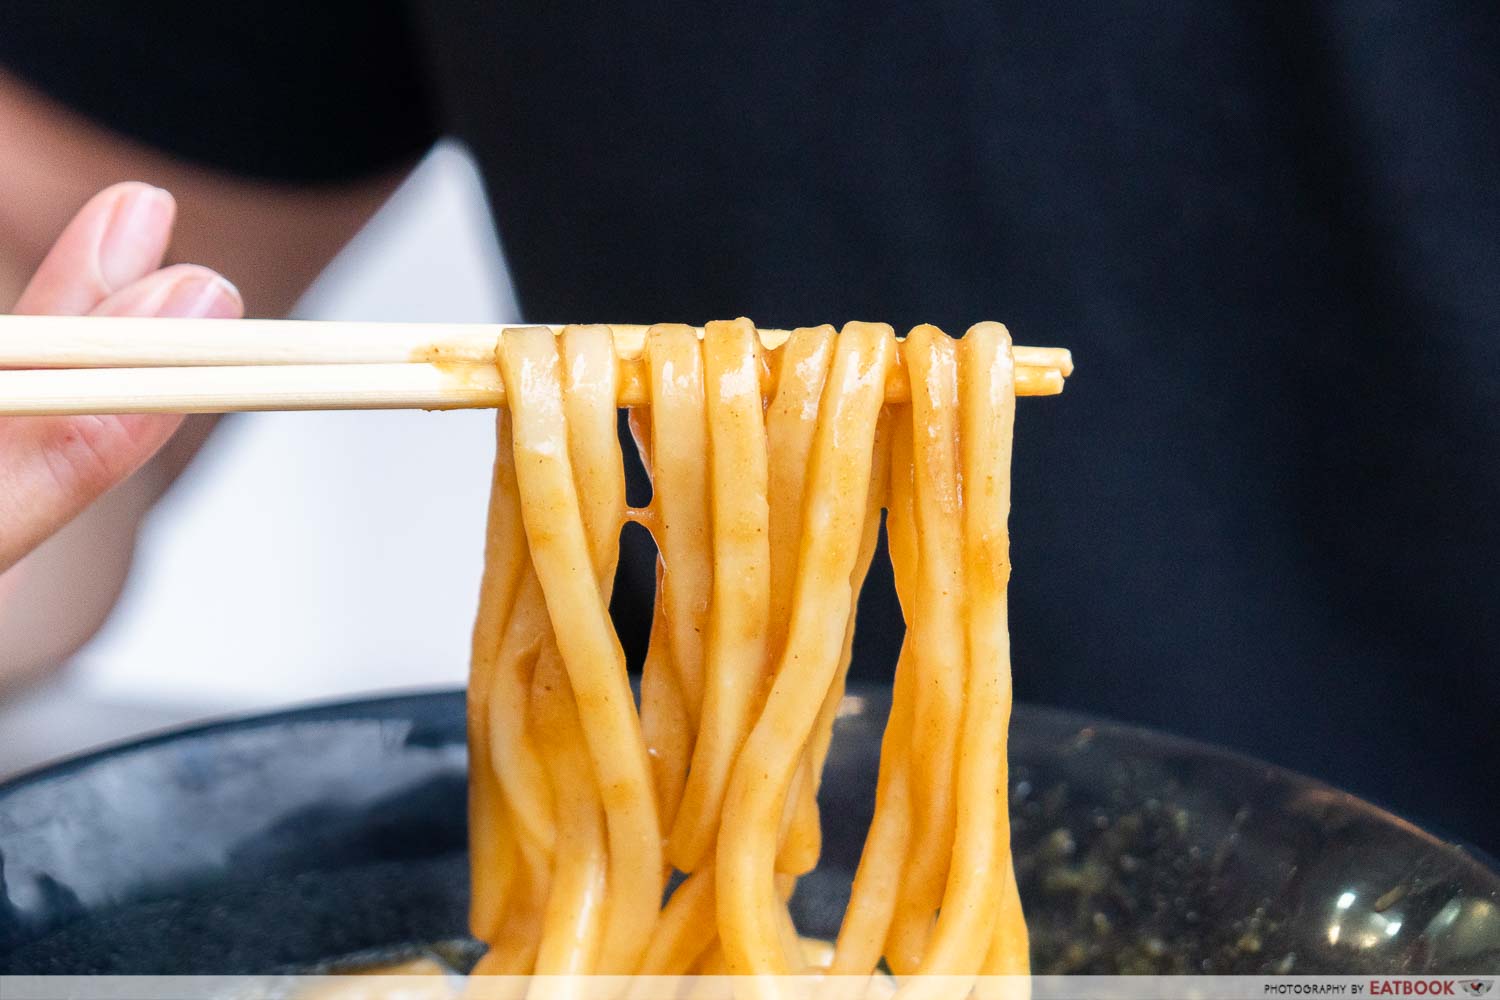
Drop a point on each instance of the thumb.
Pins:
(51, 468)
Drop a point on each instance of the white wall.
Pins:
(321, 554)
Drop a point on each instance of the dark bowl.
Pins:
(287, 841)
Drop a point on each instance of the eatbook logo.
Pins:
(1477, 987)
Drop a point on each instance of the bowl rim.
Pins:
(396, 703)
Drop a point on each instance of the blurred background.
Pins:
(316, 591)
(1264, 515)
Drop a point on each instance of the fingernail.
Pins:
(202, 298)
(132, 240)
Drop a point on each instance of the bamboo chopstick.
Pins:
(129, 342)
(249, 388)
(122, 365)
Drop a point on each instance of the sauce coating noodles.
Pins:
(770, 470)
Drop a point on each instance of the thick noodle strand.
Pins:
(492, 846)
(679, 442)
(573, 919)
(739, 606)
(791, 420)
(766, 514)
(514, 757)
(664, 719)
(804, 843)
(965, 927)
(937, 639)
(686, 930)
(833, 525)
(877, 887)
(589, 646)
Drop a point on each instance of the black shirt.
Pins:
(1264, 513)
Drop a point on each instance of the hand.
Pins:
(106, 263)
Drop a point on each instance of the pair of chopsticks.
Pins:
(77, 365)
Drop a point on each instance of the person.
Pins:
(106, 262)
(1264, 512)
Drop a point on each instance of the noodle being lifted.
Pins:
(769, 471)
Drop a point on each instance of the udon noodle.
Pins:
(770, 470)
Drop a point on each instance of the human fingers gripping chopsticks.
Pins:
(107, 262)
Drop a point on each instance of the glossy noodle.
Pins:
(770, 470)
